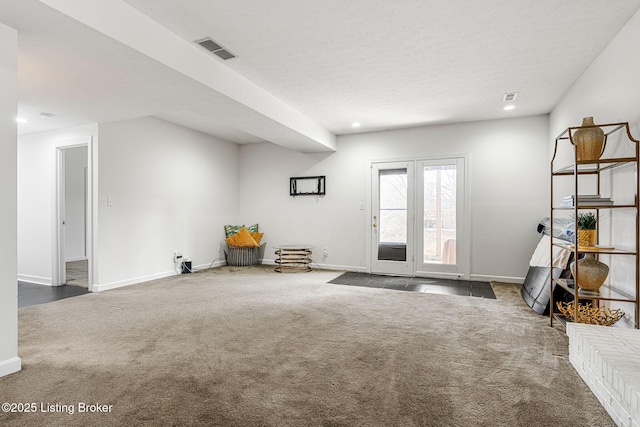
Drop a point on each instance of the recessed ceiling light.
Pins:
(509, 107)
(47, 115)
(356, 124)
(21, 120)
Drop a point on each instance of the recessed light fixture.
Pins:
(47, 115)
(356, 124)
(509, 107)
(21, 120)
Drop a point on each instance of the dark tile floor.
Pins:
(30, 294)
(417, 284)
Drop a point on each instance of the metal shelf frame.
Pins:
(577, 169)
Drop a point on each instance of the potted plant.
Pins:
(587, 222)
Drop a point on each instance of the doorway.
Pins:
(419, 226)
(73, 237)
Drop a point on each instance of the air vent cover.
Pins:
(511, 96)
(215, 47)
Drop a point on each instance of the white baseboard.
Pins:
(486, 278)
(10, 366)
(134, 281)
(339, 267)
(142, 279)
(36, 280)
(210, 265)
(77, 258)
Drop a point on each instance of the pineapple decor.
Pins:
(587, 222)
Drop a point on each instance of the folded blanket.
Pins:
(541, 256)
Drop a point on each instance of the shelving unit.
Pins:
(615, 133)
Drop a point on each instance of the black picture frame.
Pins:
(307, 186)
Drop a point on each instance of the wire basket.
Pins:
(589, 314)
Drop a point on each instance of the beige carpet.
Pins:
(250, 347)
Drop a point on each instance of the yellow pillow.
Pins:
(256, 236)
(242, 239)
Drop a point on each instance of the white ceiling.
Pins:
(384, 64)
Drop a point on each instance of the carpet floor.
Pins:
(251, 347)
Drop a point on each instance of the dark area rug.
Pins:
(417, 284)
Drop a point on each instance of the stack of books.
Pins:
(586, 200)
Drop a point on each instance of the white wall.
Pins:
(36, 198)
(9, 360)
(509, 190)
(609, 90)
(75, 164)
(172, 189)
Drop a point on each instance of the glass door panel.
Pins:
(392, 223)
(392, 218)
(439, 225)
(441, 242)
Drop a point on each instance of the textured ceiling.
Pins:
(407, 62)
(384, 64)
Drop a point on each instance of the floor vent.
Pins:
(215, 48)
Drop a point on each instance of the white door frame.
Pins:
(59, 261)
(463, 248)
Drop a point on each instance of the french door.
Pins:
(418, 218)
(392, 227)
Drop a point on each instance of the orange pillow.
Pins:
(242, 239)
(256, 236)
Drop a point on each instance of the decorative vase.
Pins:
(586, 238)
(589, 140)
(592, 272)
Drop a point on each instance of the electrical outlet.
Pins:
(325, 253)
(177, 257)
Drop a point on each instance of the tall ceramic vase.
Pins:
(589, 141)
(592, 273)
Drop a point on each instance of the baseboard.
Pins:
(319, 266)
(10, 366)
(36, 280)
(77, 258)
(219, 263)
(134, 281)
(339, 267)
(486, 278)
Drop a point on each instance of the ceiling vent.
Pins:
(215, 48)
(510, 96)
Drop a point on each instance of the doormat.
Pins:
(417, 284)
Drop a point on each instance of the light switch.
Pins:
(109, 201)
